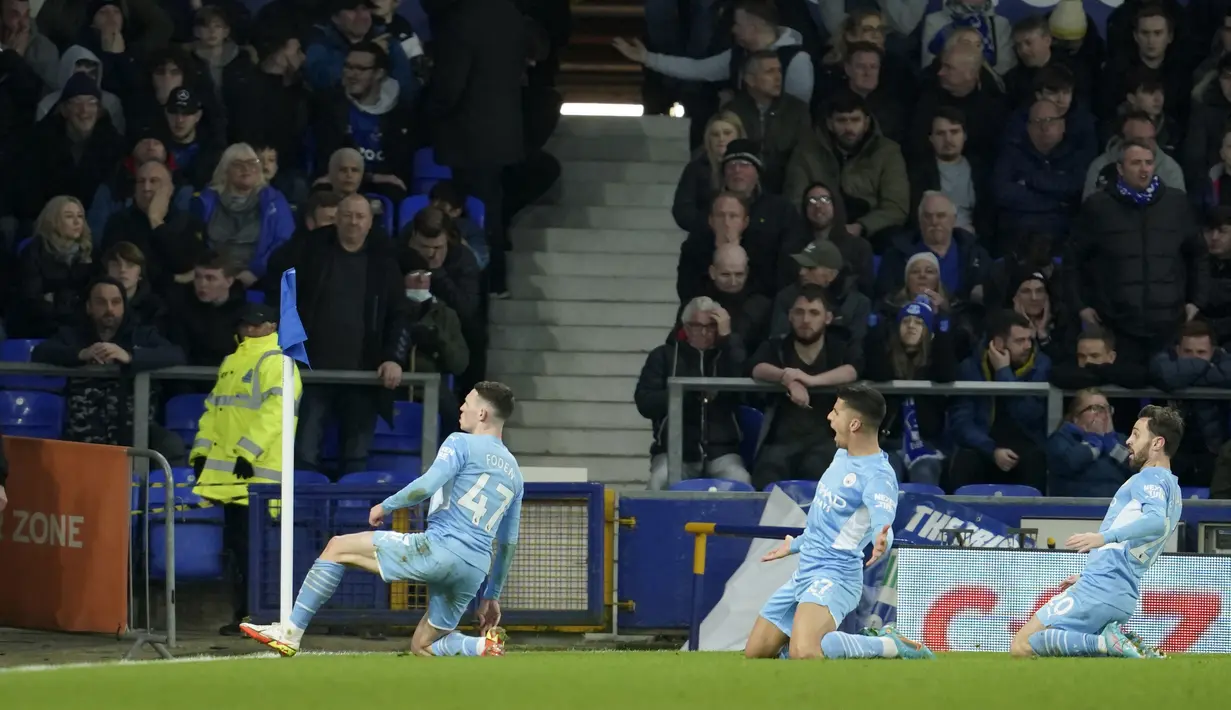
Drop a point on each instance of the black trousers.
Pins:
(235, 549)
(485, 184)
(792, 460)
(971, 466)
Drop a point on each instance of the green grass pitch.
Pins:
(634, 680)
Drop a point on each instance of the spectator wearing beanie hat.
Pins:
(774, 223)
(821, 264)
(916, 345)
(962, 262)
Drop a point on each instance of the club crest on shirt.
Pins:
(849, 480)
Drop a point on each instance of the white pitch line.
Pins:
(260, 656)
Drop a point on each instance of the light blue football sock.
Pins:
(322, 580)
(456, 644)
(1056, 642)
(837, 644)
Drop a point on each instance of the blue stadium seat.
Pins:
(184, 416)
(426, 166)
(256, 296)
(396, 463)
(406, 434)
(922, 488)
(876, 265)
(397, 479)
(997, 489)
(411, 206)
(1194, 493)
(750, 421)
(38, 415)
(304, 477)
(19, 351)
(713, 484)
(389, 213)
(802, 492)
(198, 531)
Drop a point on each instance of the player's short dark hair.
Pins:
(1095, 332)
(1167, 423)
(867, 402)
(499, 396)
(1001, 323)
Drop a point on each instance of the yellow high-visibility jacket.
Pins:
(243, 418)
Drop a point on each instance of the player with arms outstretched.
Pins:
(855, 503)
(476, 489)
(1084, 619)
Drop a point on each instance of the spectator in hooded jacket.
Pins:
(71, 152)
(850, 153)
(1038, 181)
(702, 178)
(1138, 264)
(203, 312)
(165, 233)
(350, 23)
(1086, 458)
(822, 210)
(1000, 439)
(1196, 361)
(53, 271)
(244, 218)
(915, 345)
(370, 115)
(125, 263)
(702, 348)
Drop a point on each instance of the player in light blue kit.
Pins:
(476, 490)
(856, 498)
(1084, 619)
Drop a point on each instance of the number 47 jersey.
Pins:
(479, 499)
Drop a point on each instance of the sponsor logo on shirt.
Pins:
(1153, 491)
(445, 453)
(828, 500)
(884, 502)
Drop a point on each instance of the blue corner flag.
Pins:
(291, 335)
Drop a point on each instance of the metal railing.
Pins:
(430, 382)
(677, 386)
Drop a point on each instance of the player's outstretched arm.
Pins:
(506, 547)
(881, 499)
(1149, 527)
(449, 461)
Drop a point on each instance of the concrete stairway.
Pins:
(592, 279)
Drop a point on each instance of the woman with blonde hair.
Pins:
(245, 218)
(54, 269)
(701, 180)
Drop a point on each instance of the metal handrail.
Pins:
(676, 386)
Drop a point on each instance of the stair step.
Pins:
(578, 415)
(651, 126)
(632, 171)
(592, 313)
(540, 216)
(600, 241)
(501, 363)
(672, 151)
(576, 338)
(629, 471)
(578, 442)
(611, 194)
(565, 264)
(572, 389)
(529, 287)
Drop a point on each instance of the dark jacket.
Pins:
(277, 223)
(474, 101)
(1217, 308)
(148, 307)
(1137, 265)
(170, 249)
(333, 129)
(1037, 192)
(386, 329)
(41, 273)
(1083, 465)
(925, 175)
(697, 254)
(749, 311)
(1176, 73)
(1173, 373)
(985, 109)
(456, 282)
(856, 259)
(850, 308)
(892, 275)
(941, 368)
(693, 195)
(971, 418)
(710, 426)
(775, 227)
(53, 169)
(1124, 372)
(205, 331)
(784, 125)
(263, 110)
(437, 341)
(326, 50)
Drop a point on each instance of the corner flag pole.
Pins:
(287, 569)
(291, 338)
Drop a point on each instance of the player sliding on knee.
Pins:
(1084, 619)
(475, 487)
(855, 504)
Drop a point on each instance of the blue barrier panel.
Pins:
(655, 556)
(556, 580)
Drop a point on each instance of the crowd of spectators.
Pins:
(166, 161)
(887, 193)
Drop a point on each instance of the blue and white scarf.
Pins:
(914, 448)
(1139, 197)
(965, 16)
